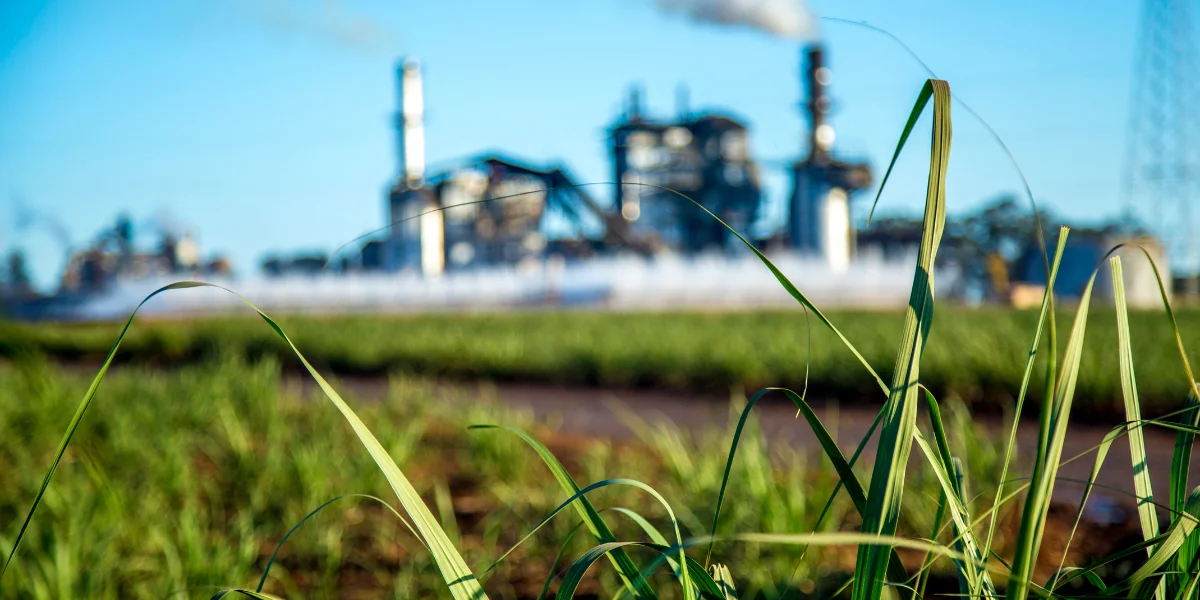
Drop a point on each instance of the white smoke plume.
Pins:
(326, 20)
(784, 18)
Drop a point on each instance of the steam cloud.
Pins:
(784, 18)
(328, 21)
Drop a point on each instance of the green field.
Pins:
(977, 355)
(183, 482)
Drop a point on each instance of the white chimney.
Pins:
(410, 124)
(835, 239)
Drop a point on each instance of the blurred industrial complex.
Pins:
(499, 231)
(493, 211)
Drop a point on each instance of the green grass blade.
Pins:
(786, 283)
(950, 476)
(445, 508)
(847, 538)
(1101, 454)
(1192, 590)
(1162, 291)
(651, 531)
(703, 580)
(899, 424)
(737, 436)
(972, 580)
(724, 580)
(706, 587)
(861, 539)
(846, 475)
(1176, 536)
(964, 538)
(844, 469)
(1090, 576)
(927, 562)
(655, 536)
(274, 555)
(645, 525)
(1122, 554)
(1133, 410)
(240, 592)
(939, 437)
(1181, 458)
(73, 426)
(626, 569)
(1188, 560)
(1193, 429)
(457, 575)
(1046, 314)
(1181, 461)
(683, 574)
(578, 569)
(1051, 436)
(862, 445)
(913, 117)
(562, 549)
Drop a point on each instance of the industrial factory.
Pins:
(500, 232)
(492, 211)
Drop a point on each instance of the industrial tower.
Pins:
(819, 220)
(1161, 167)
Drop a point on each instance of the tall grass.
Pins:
(191, 477)
(1171, 564)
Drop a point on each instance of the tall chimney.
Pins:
(410, 126)
(683, 107)
(635, 102)
(817, 78)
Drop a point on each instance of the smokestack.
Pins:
(410, 125)
(635, 101)
(817, 78)
(683, 109)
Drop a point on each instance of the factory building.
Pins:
(496, 209)
(492, 210)
(704, 157)
(819, 220)
(112, 257)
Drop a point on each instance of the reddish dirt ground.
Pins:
(593, 413)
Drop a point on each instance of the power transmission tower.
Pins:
(1161, 171)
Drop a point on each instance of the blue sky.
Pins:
(265, 125)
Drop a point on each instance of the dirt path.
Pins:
(594, 413)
